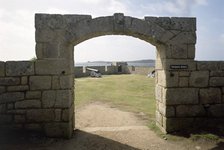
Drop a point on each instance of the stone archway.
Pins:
(56, 36)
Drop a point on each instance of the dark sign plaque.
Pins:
(178, 66)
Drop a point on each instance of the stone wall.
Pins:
(29, 99)
(110, 70)
(140, 70)
(195, 98)
(40, 95)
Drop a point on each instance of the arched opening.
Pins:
(131, 91)
(174, 38)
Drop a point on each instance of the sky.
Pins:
(17, 32)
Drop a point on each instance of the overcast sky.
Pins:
(17, 33)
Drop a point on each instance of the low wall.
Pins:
(31, 100)
(195, 98)
(140, 70)
(109, 70)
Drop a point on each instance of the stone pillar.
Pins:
(54, 64)
(175, 60)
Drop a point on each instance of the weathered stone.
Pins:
(18, 68)
(33, 127)
(17, 111)
(66, 82)
(175, 96)
(33, 94)
(191, 51)
(57, 114)
(48, 99)
(40, 115)
(44, 35)
(158, 93)
(183, 82)
(40, 82)
(2, 89)
(5, 119)
(56, 82)
(63, 98)
(24, 80)
(10, 106)
(9, 81)
(184, 38)
(217, 73)
(199, 79)
(3, 108)
(210, 96)
(216, 110)
(28, 104)
(11, 97)
(216, 81)
(208, 65)
(68, 114)
(190, 111)
(159, 117)
(184, 74)
(177, 124)
(18, 88)
(53, 67)
(59, 129)
(167, 111)
(2, 69)
(179, 51)
(19, 119)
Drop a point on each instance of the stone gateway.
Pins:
(40, 95)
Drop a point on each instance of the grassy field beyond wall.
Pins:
(129, 92)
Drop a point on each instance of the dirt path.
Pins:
(101, 127)
(126, 128)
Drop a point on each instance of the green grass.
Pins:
(130, 92)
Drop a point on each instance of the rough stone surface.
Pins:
(177, 124)
(52, 67)
(14, 68)
(58, 129)
(208, 65)
(167, 111)
(63, 99)
(33, 94)
(49, 99)
(190, 111)
(28, 104)
(18, 88)
(216, 110)
(210, 95)
(5, 119)
(216, 81)
(199, 79)
(11, 97)
(40, 115)
(9, 81)
(24, 80)
(2, 89)
(2, 69)
(174, 96)
(40, 82)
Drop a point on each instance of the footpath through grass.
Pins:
(130, 92)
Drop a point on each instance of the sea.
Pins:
(109, 64)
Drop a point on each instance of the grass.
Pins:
(130, 92)
(133, 93)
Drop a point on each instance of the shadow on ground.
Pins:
(23, 140)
